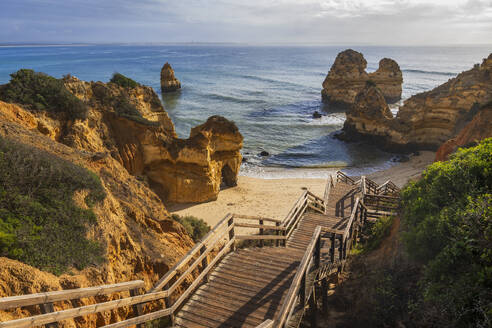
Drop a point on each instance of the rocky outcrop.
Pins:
(428, 119)
(348, 76)
(368, 113)
(388, 78)
(140, 240)
(478, 129)
(194, 169)
(131, 125)
(169, 83)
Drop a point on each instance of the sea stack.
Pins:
(348, 76)
(169, 83)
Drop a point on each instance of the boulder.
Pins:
(169, 83)
(348, 76)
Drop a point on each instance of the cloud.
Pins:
(325, 21)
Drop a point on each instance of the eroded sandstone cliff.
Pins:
(130, 125)
(140, 241)
(169, 83)
(428, 119)
(348, 76)
(479, 128)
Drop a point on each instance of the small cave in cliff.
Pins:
(229, 178)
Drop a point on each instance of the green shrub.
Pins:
(196, 228)
(39, 91)
(40, 224)
(123, 81)
(378, 231)
(448, 221)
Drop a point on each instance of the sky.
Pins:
(378, 22)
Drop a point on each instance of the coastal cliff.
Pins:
(131, 125)
(428, 119)
(115, 138)
(138, 238)
(348, 76)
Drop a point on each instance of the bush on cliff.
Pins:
(40, 223)
(448, 221)
(123, 81)
(39, 91)
(196, 228)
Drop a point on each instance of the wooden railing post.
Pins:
(314, 310)
(203, 249)
(167, 303)
(48, 308)
(231, 233)
(137, 308)
(302, 291)
(317, 253)
(340, 248)
(261, 234)
(279, 233)
(324, 296)
(332, 249)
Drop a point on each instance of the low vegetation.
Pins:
(196, 228)
(123, 81)
(39, 91)
(448, 222)
(40, 223)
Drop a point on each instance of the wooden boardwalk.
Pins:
(217, 284)
(249, 285)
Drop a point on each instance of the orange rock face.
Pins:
(129, 141)
(428, 119)
(348, 76)
(478, 129)
(140, 240)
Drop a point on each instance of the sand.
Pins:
(274, 198)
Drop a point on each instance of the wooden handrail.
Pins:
(65, 295)
(250, 217)
(189, 255)
(47, 318)
(295, 285)
(266, 324)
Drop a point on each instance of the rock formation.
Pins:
(478, 129)
(140, 240)
(347, 77)
(428, 119)
(169, 83)
(369, 111)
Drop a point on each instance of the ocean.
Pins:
(270, 92)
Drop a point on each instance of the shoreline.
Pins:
(274, 197)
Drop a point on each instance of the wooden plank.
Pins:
(197, 280)
(266, 324)
(295, 286)
(259, 226)
(259, 237)
(69, 294)
(81, 311)
(250, 217)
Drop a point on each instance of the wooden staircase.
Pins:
(218, 284)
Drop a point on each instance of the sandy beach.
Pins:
(274, 197)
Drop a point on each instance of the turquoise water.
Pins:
(270, 92)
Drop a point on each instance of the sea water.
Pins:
(270, 92)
